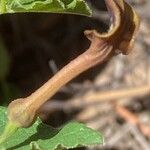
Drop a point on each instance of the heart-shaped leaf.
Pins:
(49, 6)
(43, 137)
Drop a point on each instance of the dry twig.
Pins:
(132, 119)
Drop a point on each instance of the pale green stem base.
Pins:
(9, 130)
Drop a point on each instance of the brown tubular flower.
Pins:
(119, 38)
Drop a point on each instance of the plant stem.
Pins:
(3, 6)
(9, 130)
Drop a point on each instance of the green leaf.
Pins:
(43, 137)
(4, 61)
(52, 6)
